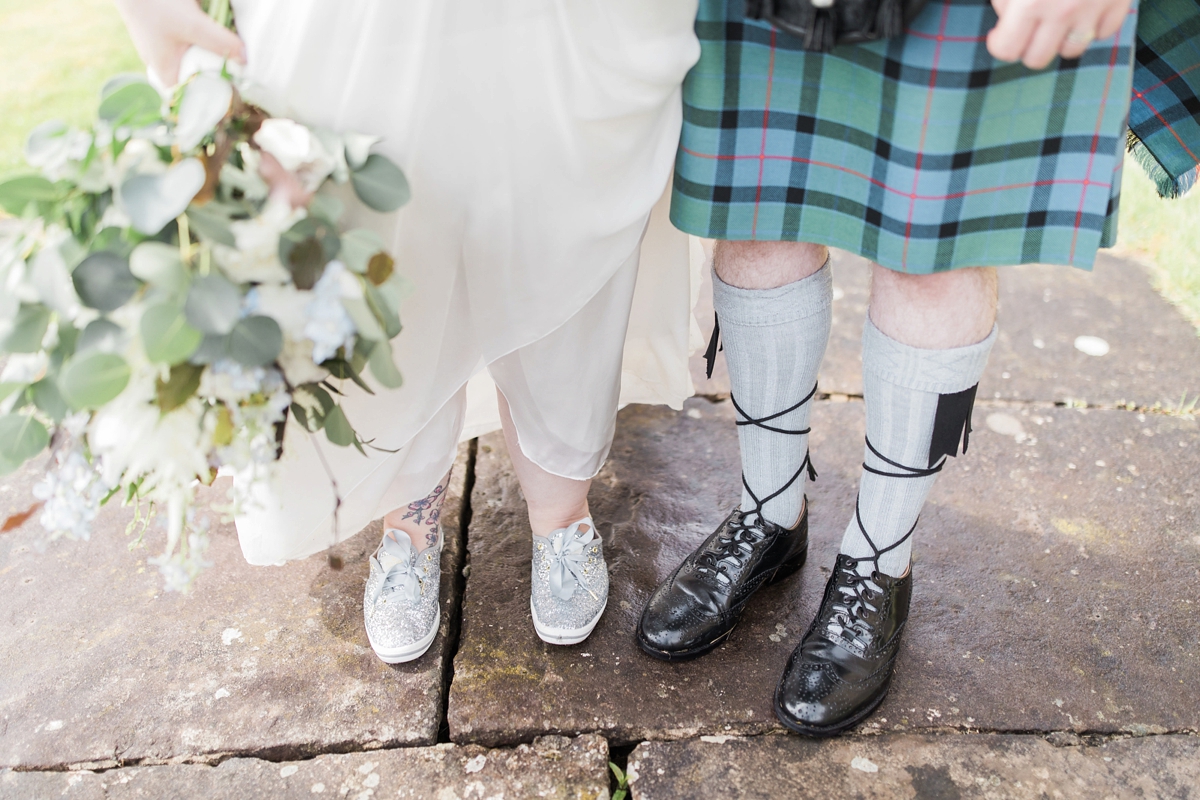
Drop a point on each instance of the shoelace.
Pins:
(731, 552)
(568, 552)
(403, 577)
(858, 594)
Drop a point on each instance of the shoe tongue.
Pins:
(395, 550)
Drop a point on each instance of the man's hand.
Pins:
(1035, 31)
(163, 30)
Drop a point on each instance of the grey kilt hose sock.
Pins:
(774, 342)
(918, 408)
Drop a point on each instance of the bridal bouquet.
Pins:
(165, 313)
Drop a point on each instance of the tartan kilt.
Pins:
(922, 153)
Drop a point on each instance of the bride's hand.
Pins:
(1035, 31)
(163, 30)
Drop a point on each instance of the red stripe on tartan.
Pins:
(1167, 125)
(893, 190)
(1175, 76)
(1112, 65)
(937, 60)
(762, 150)
(930, 36)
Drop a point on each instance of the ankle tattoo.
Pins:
(427, 511)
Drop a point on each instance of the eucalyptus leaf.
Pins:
(383, 310)
(49, 399)
(135, 104)
(342, 369)
(337, 428)
(22, 437)
(103, 281)
(358, 246)
(213, 304)
(380, 184)
(119, 81)
(151, 201)
(212, 349)
(182, 382)
(205, 103)
(364, 321)
(383, 366)
(210, 224)
(45, 141)
(28, 330)
(166, 335)
(91, 379)
(103, 335)
(327, 207)
(255, 341)
(305, 249)
(159, 264)
(17, 193)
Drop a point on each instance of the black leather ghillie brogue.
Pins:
(698, 606)
(842, 669)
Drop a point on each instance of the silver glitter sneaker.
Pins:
(400, 602)
(570, 583)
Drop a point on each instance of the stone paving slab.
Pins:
(1154, 355)
(99, 666)
(1056, 573)
(901, 766)
(552, 767)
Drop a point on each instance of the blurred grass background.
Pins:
(56, 54)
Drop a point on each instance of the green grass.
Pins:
(56, 54)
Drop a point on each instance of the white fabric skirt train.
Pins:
(537, 136)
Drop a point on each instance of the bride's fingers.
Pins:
(1047, 40)
(199, 29)
(1011, 36)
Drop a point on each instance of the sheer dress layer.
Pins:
(537, 137)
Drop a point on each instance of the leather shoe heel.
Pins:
(788, 568)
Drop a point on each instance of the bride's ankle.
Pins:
(544, 524)
(420, 519)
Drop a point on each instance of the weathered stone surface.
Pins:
(99, 666)
(898, 766)
(1056, 568)
(1154, 355)
(552, 767)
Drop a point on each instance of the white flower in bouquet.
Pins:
(71, 495)
(329, 325)
(25, 367)
(297, 150)
(255, 259)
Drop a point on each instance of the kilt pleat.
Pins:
(922, 152)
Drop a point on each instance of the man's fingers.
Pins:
(1045, 44)
(1010, 38)
(1112, 19)
(1081, 34)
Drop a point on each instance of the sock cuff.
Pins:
(942, 371)
(791, 302)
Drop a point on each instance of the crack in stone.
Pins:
(460, 589)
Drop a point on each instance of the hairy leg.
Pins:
(766, 265)
(934, 312)
(553, 501)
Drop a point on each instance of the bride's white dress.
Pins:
(537, 136)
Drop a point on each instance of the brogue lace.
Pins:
(732, 550)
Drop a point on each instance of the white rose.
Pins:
(256, 257)
(297, 150)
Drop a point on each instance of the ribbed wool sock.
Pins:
(774, 342)
(907, 390)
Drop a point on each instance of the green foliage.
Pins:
(337, 428)
(255, 341)
(622, 782)
(380, 184)
(104, 282)
(166, 334)
(17, 193)
(154, 200)
(158, 264)
(48, 399)
(101, 334)
(213, 304)
(306, 248)
(135, 104)
(358, 246)
(89, 380)
(342, 369)
(211, 223)
(383, 366)
(21, 438)
(29, 328)
(181, 383)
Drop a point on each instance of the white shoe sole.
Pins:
(409, 652)
(564, 635)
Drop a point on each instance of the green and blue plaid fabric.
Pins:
(1164, 119)
(922, 152)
